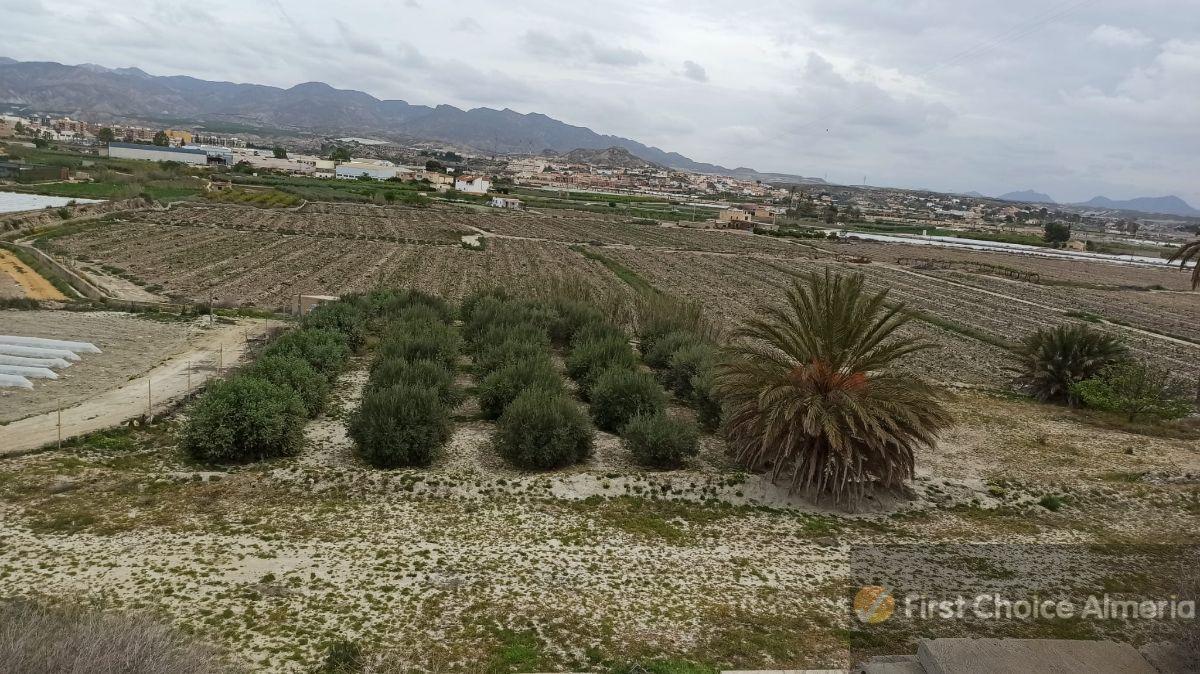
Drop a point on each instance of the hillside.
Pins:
(92, 91)
(613, 157)
(1169, 205)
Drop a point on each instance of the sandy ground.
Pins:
(205, 352)
(440, 568)
(31, 284)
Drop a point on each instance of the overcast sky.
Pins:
(1071, 97)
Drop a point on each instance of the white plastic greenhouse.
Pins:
(33, 362)
(14, 381)
(33, 352)
(28, 372)
(43, 343)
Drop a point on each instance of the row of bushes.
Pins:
(260, 412)
(404, 417)
(538, 426)
(624, 398)
(681, 347)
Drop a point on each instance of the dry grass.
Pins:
(42, 639)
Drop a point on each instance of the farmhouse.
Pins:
(505, 202)
(472, 185)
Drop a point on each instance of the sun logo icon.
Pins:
(874, 604)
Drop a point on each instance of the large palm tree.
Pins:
(1188, 253)
(811, 391)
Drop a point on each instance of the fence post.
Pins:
(60, 426)
(149, 402)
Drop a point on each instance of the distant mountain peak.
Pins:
(1027, 196)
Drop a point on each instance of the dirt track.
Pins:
(152, 392)
(31, 283)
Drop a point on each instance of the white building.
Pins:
(472, 185)
(197, 156)
(353, 170)
(505, 202)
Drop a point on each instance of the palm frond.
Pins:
(1188, 253)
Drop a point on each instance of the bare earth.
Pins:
(131, 346)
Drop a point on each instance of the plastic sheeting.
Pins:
(29, 372)
(14, 381)
(43, 343)
(33, 362)
(32, 352)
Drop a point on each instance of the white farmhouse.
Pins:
(472, 185)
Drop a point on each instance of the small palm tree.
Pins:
(1186, 254)
(1050, 361)
(810, 391)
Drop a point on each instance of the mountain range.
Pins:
(1169, 205)
(92, 91)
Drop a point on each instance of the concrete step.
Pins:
(1021, 656)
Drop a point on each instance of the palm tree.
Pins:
(1050, 361)
(810, 390)
(1188, 253)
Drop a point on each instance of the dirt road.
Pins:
(32, 283)
(152, 392)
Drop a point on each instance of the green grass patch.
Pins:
(629, 276)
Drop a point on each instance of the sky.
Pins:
(1074, 98)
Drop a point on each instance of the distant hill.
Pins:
(613, 157)
(91, 91)
(1027, 196)
(1169, 205)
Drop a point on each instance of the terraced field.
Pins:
(268, 269)
(248, 256)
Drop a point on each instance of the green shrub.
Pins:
(541, 430)
(293, 372)
(415, 316)
(503, 385)
(498, 333)
(569, 317)
(244, 418)
(684, 365)
(599, 332)
(1134, 389)
(400, 426)
(620, 394)
(1050, 361)
(588, 359)
(325, 350)
(423, 341)
(493, 357)
(659, 355)
(430, 374)
(659, 441)
(705, 399)
(481, 297)
(341, 317)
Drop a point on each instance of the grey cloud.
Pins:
(467, 25)
(581, 47)
(358, 42)
(694, 71)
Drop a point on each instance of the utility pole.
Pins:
(60, 426)
(149, 402)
